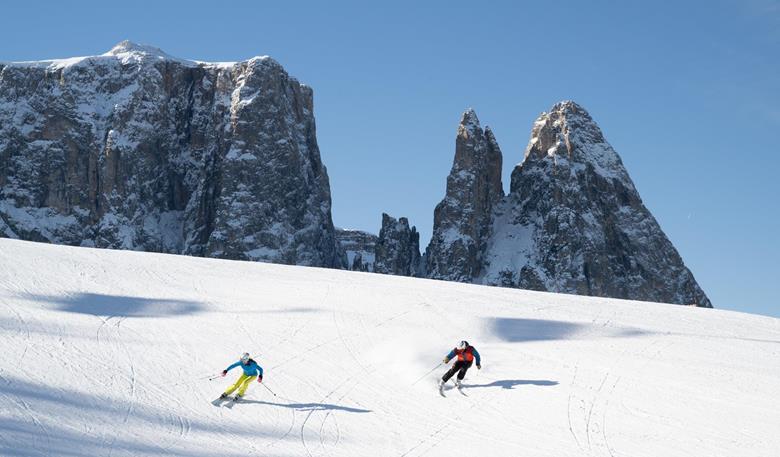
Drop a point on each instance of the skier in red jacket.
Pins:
(466, 355)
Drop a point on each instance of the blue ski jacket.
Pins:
(250, 369)
(466, 355)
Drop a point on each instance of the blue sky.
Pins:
(687, 92)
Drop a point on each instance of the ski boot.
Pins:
(223, 396)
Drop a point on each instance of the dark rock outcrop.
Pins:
(135, 149)
(462, 220)
(397, 248)
(359, 248)
(573, 221)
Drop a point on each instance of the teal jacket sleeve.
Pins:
(451, 355)
(476, 355)
(259, 370)
(232, 366)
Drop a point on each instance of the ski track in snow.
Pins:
(24, 329)
(568, 408)
(562, 375)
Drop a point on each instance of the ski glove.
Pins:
(259, 379)
(446, 360)
(224, 372)
(479, 367)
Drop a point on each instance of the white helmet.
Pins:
(245, 357)
(463, 345)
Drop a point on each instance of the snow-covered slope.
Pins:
(105, 353)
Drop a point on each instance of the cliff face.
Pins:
(359, 249)
(573, 221)
(462, 220)
(135, 149)
(397, 248)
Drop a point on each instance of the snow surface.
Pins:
(106, 353)
(510, 248)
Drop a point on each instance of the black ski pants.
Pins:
(460, 367)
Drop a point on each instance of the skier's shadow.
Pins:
(511, 383)
(309, 406)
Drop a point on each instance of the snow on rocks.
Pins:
(590, 232)
(358, 247)
(136, 149)
(573, 221)
(462, 220)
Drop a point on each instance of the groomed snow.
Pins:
(105, 353)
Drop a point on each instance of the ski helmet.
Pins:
(463, 345)
(245, 357)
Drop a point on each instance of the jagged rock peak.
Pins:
(569, 106)
(574, 222)
(570, 139)
(397, 248)
(462, 220)
(469, 123)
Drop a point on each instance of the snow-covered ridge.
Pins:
(128, 47)
(109, 353)
(127, 52)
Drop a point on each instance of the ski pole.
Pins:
(429, 372)
(205, 376)
(200, 378)
(269, 389)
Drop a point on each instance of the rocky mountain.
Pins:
(135, 149)
(463, 219)
(573, 221)
(359, 248)
(397, 248)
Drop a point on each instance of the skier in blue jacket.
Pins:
(251, 371)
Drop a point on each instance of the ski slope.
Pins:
(105, 353)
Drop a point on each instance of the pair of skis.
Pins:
(227, 402)
(457, 386)
(232, 400)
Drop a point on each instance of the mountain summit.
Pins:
(569, 137)
(128, 46)
(135, 149)
(573, 221)
(462, 219)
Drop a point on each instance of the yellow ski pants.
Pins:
(241, 384)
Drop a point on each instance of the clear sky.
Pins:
(688, 93)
